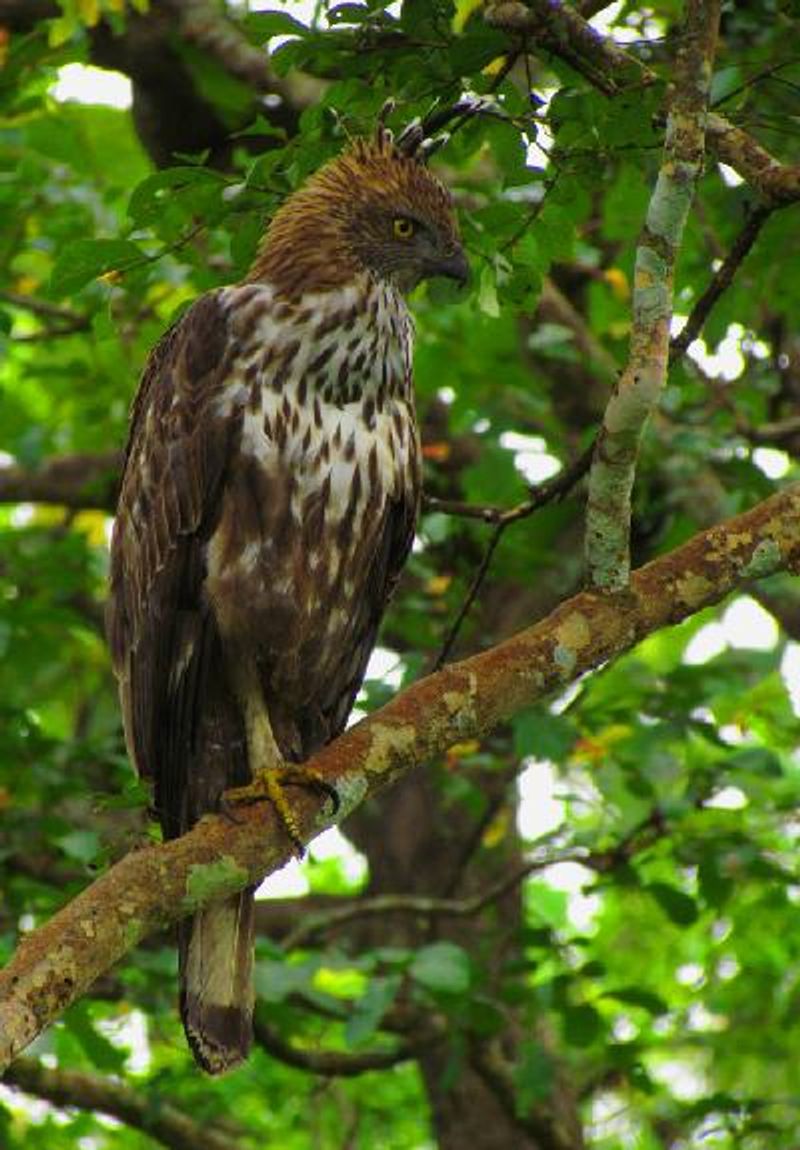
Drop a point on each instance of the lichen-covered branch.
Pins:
(612, 474)
(152, 1115)
(777, 183)
(153, 887)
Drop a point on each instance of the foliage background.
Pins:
(654, 1001)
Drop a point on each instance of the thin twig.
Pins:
(548, 492)
(470, 597)
(756, 78)
(601, 861)
(334, 1063)
(487, 513)
(722, 280)
(64, 321)
(428, 906)
(168, 249)
(43, 308)
(777, 432)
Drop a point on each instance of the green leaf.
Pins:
(533, 1076)
(487, 293)
(97, 1048)
(150, 196)
(582, 1024)
(756, 760)
(231, 98)
(639, 996)
(442, 968)
(370, 1009)
(275, 981)
(547, 904)
(677, 906)
(81, 845)
(546, 736)
(84, 260)
(267, 24)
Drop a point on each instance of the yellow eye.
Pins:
(403, 228)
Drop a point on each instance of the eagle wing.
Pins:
(390, 546)
(163, 639)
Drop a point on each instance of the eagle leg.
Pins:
(270, 773)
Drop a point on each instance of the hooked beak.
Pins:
(454, 266)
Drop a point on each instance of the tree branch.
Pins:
(612, 474)
(781, 432)
(548, 492)
(157, 885)
(427, 906)
(492, 1064)
(153, 1116)
(334, 1063)
(203, 23)
(777, 183)
(564, 32)
(76, 481)
(43, 308)
(722, 280)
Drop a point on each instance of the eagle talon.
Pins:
(227, 810)
(268, 785)
(314, 781)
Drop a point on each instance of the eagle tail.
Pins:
(216, 982)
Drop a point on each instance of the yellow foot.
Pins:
(268, 786)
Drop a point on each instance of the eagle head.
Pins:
(375, 208)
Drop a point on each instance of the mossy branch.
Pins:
(153, 887)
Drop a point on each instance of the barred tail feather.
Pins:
(216, 982)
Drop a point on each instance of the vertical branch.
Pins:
(613, 469)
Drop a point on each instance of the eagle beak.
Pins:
(454, 266)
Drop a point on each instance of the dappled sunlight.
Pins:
(87, 85)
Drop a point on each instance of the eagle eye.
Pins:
(403, 228)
